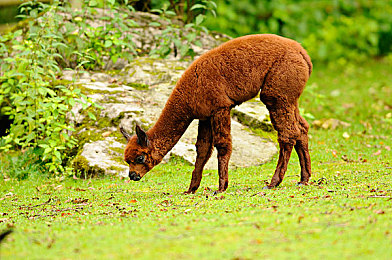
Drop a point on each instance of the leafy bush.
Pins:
(187, 11)
(183, 25)
(94, 36)
(173, 37)
(29, 94)
(330, 30)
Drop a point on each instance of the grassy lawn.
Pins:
(346, 212)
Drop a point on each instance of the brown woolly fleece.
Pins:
(220, 79)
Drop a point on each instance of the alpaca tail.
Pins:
(306, 57)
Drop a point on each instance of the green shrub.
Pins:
(330, 30)
(185, 10)
(95, 34)
(29, 95)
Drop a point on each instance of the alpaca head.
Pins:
(138, 154)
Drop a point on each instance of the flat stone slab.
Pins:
(101, 154)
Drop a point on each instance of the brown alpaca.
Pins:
(220, 79)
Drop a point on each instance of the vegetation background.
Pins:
(345, 212)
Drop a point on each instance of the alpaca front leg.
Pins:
(222, 141)
(204, 150)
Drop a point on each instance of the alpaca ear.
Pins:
(125, 134)
(142, 138)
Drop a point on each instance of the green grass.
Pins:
(344, 213)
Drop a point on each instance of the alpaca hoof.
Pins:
(189, 192)
(268, 187)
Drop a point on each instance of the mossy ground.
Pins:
(345, 212)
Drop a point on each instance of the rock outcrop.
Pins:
(136, 94)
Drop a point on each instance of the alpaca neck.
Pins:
(169, 128)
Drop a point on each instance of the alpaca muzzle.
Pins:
(134, 176)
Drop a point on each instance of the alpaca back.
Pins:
(234, 72)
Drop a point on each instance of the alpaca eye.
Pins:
(140, 159)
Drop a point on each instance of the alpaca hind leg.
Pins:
(301, 147)
(280, 93)
(222, 141)
(284, 121)
(281, 168)
(204, 150)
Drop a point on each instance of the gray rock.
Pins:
(153, 72)
(100, 156)
(101, 77)
(114, 110)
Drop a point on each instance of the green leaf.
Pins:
(177, 43)
(18, 33)
(92, 3)
(213, 4)
(373, 39)
(156, 24)
(184, 49)
(198, 6)
(42, 91)
(30, 137)
(108, 43)
(92, 116)
(114, 57)
(47, 150)
(159, 11)
(71, 101)
(65, 136)
(55, 113)
(51, 36)
(51, 93)
(190, 37)
(198, 43)
(57, 154)
(199, 19)
(7, 90)
(57, 44)
(170, 13)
